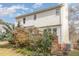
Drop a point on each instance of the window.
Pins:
(55, 31)
(45, 30)
(49, 30)
(57, 11)
(18, 24)
(34, 17)
(24, 20)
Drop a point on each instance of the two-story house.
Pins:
(53, 18)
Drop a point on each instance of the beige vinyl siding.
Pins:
(42, 19)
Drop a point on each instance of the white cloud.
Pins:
(11, 9)
(6, 11)
(18, 7)
(37, 5)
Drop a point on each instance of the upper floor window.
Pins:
(18, 25)
(57, 11)
(24, 20)
(35, 17)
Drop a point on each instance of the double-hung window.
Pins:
(35, 17)
(57, 11)
(24, 20)
(55, 31)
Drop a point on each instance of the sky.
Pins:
(8, 11)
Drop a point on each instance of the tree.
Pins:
(73, 35)
(73, 17)
(9, 31)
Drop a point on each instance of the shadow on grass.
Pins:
(6, 45)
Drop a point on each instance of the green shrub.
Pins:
(42, 44)
(39, 45)
(21, 37)
(24, 51)
(2, 36)
(9, 36)
(45, 43)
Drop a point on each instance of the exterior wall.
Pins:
(52, 27)
(47, 18)
(42, 19)
(64, 25)
(28, 22)
(50, 18)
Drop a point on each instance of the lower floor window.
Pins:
(52, 30)
(47, 30)
(55, 31)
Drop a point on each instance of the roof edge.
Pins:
(39, 11)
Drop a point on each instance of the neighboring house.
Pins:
(54, 18)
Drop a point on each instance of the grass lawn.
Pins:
(7, 50)
(74, 53)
